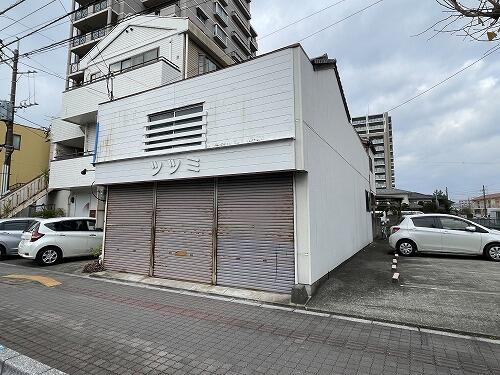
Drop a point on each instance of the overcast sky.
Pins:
(449, 137)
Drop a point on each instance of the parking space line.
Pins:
(448, 290)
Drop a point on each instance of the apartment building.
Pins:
(487, 206)
(226, 22)
(378, 129)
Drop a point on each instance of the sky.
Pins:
(448, 137)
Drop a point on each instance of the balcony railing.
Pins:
(220, 36)
(72, 155)
(89, 37)
(221, 14)
(74, 68)
(91, 9)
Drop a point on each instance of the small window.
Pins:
(151, 55)
(424, 222)
(201, 15)
(115, 67)
(371, 164)
(95, 76)
(18, 225)
(126, 64)
(16, 141)
(70, 226)
(368, 201)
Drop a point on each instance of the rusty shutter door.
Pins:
(128, 228)
(255, 238)
(184, 230)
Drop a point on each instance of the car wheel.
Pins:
(3, 253)
(492, 252)
(406, 248)
(47, 257)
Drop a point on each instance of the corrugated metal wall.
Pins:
(184, 230)
(255, 239)
(250, 219)
(128, 228)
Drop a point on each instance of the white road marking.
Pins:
(428, 287)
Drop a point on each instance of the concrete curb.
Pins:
(13, 363)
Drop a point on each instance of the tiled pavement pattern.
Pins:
(90, 326)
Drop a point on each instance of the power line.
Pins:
(302, 19)
(489, 52)
(341, 20)
(26, 16)
(12, 6)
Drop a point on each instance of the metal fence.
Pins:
(488, 223)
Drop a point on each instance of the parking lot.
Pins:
(454, 293)
(70, 265)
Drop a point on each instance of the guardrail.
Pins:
(11, 202)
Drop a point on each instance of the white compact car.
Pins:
(439, 233)
(49, 240)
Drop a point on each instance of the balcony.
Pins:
(221, 14)
(75, 73)
(155, 3)
(220, 36)
(130, 81)
(66, 173)
(253, 45)
(242, 25)
(94, 16)
(82, 44)
(241, 43)
(243, 7)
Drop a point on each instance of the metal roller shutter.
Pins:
(185, 230)
(255, 238)
(128, 228)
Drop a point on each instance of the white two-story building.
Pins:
(249, 176)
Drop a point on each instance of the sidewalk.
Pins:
(90, 326)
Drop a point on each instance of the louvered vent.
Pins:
(181, 128)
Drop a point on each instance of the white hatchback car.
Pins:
(49, 240)
(441, 233)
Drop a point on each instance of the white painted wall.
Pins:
(66, 173)
(124, 84)
(62, 130)
(250, 123)
(337, 173)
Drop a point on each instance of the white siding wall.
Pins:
(142, 34)
(338, 174)
(90, 137)
(62, 130)
(247, 105)
(124, 84)
(66, 173)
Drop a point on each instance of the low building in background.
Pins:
(414, 201)
(378, 129)
(487, 206)
(30, 158)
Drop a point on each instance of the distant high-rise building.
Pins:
(225, 22)
(378, 129)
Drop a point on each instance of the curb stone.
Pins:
(14, 363)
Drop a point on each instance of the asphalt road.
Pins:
(91, 326)
(456, 293)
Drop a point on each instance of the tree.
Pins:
(476, 19)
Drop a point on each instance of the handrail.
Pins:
(29, 190)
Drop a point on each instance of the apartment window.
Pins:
(16, 141)
(95, 76)
(205, 64)
(371, 164)
(220, 36)
(201, 15)
(221, 13)
(134, 61)
(367, 201)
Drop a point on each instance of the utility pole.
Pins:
(484, 202)
(9, 135)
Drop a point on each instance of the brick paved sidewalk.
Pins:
(87, 326)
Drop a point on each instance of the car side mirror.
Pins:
(470, 229)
